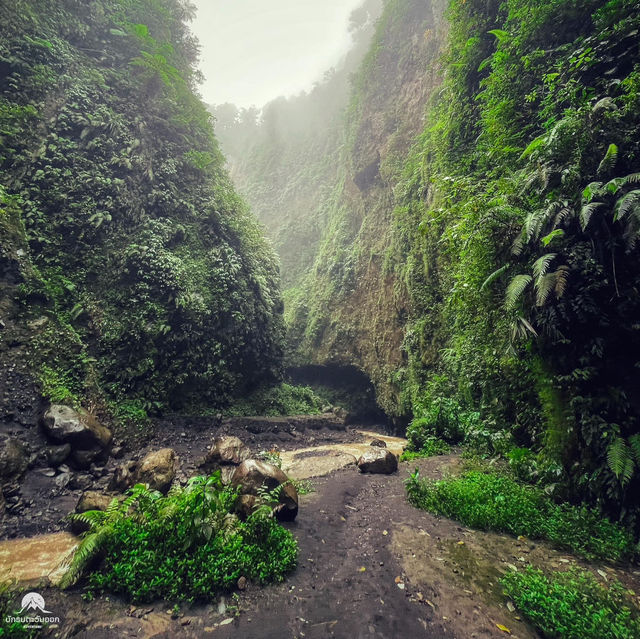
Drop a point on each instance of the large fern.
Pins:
(620, 459)
(609, 160)
(516, 288)
(101, 528)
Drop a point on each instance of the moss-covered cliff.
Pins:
(129, 268)
(477, 248)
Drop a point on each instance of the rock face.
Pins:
(378, 460)
(81, 430)
(251, 475)
(13, 458)
(226, 451)
(56, 455)
(124, 476)
(93, 500)
(158, 469)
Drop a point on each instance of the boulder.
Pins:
(379, 443)
(124, 476)
(226, 451)
(378, 460)
(13, 458)
(83, 459)
(245, 505)
(158, 469)
(252, 474)
(57, 455)
(80, 429)
(93, 500)
(226, 473)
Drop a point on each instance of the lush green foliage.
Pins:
(187, 545)
(283, 399)
(129, 238)
(431, 446)
(574, 605)
(496, 502)
(444, 419)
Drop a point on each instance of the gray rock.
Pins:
(83, 459)
(252, 474)
(226, 451)
(56, 455)
(80, 429)
(378, 460)
(93, 500)
(379, 443)
(62, 480)
(14, 458)
(124, 476)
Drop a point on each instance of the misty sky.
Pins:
(255, 50)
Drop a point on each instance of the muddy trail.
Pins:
(370, 565)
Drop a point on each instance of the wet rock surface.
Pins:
(225, 451)
(252, 475)
(378, 461)
(80, 429)
(158, 469)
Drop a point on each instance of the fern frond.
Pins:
(609, 160)
(626, 204)
(494, 276)
(533, 146)
(113, 507)
(515, 290)
(620, 460)
(562, 278)
(90, 547)
(541, 265)
(633, 178)
(518, 244)
(564, 214)
(591, 190)
(634, 444)
(587, 211)
(544, 285)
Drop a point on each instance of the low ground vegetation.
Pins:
(186, 546)
(573, 605)
(491, 501)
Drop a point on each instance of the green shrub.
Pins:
(444, 419)
(282, 399)
(489, 501)
(432, 446)
(184, 546)
(573, 605)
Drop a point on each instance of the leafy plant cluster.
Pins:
(280, 399)
(515, 232)
(155, 279)
(188, 545)
(573, 604)
(491, 501)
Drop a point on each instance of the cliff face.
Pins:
(351, 309)
(474, 245)
(130, 271)
(320, 171)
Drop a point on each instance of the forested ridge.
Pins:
(215, 320)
